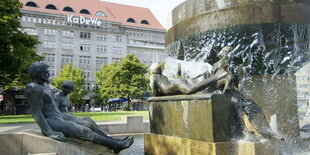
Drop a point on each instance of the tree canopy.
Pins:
(76, 76)
(17, 48)
(126, 79)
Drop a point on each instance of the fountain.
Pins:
(270, 41)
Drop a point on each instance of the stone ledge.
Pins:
(129, 124)
(159, 144)
(36, 143)
(180, 97)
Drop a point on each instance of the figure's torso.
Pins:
(49, 106)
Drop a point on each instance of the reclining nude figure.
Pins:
(162, 86)
(50, 119)
(62, 103)
(221, 78)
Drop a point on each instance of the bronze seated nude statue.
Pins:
(56, 125)
(221, 79)
(62, 102)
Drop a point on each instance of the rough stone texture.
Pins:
(36, 143)
(11, 144)
(188, 19)
(205, 119)
(160, 144)
(276, 95)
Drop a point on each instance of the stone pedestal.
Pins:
(196, 124)
(200, 117)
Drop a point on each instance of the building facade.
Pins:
(303, 86)
(91, 33)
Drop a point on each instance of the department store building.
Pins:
(89, 33)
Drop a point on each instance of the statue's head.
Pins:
(156, 68)
(225, 51)
(67, 87)
(39, 71)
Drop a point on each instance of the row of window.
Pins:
(131, 20)
(83, 35)
(66, 9)
(82, 11)
(146, 34)
(41, 20)
(303, 85)
(83, 47)
(146, 43)
(100, 37)
(50, 58)
(304, 78)
(53, 21)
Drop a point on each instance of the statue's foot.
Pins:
(123, 138)
(123, 145)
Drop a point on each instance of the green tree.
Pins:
(76, 76)
(106, 79)
(126, 79)
(17, 48)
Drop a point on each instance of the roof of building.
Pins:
(125, 14)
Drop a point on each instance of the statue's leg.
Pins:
(237, 122)
(92, 125)
(256, 116)
(88, 122)
(71, 129)
(258, 119)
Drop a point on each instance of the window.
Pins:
(117, 50)
(48, 44)
(116, 60)
(145, 22)
(101, 48)
(100, 14)
(84, 11)
(31, 4)
(100, 61)
(30, 31)
(101, 37)
(34, 19)
(67, 46)
(24, 18)
(87, 86)
(49, 21)
(85, 35)
(84, 59)
(67, 58)
(68, 9)
(28, 19)
(67, 33)
(51, 7)
(118, 38)
(49, 59)
(85, 47)
(50, 32)
(39, 20)
(131, 20)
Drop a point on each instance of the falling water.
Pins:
(259, 49)
(267, 50)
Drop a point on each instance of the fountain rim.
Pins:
(240, 15)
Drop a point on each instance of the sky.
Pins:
(160, 8)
